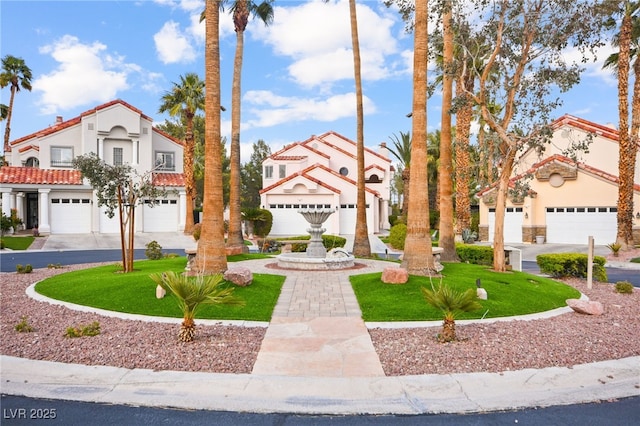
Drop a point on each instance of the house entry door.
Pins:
(32, 210)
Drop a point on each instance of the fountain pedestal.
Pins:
(315, 257)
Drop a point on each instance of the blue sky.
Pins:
(297, 73)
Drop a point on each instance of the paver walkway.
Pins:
(316, 329)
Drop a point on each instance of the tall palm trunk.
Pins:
(418, 253)
(235, 240)
(211, 255)
(189, 181)
(626, 162)
(463, 161)
(7, 129)
(445, 171)
(361, 246)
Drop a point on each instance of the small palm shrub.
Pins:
(153, 251)
(624, 287)
(92, 329)
(23, 326)
(451, 302)
(615, 248)
(192, 293)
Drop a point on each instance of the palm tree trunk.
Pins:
(187, 330)
(235, 241)
(418, 253)
(448, 331)
(445, 171)
(211, 255)
(7, 129)
(361, 246)
(188, 174)
(626, 164)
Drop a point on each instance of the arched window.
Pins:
(32, 162)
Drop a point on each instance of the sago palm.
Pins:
(451, 302)
(194, 292)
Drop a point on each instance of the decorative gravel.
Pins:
(565, 340)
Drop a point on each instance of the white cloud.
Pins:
(270, 110)
(86, 73)
(172, 45)
(317, 37)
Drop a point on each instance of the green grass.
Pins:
(105, 287)
(513, 293)
(635, 260)
(17, 243)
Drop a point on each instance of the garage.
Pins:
(161, 217)
(512, 224)
(70, 215)
(574, 225)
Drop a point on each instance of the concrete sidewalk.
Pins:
(317, 358)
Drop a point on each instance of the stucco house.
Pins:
(568, 200)
(320, 173)
(39, 181)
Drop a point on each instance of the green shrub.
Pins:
(23, 326)
(54, 266)
(397, 236)
(153, 250)
(475, 221)
(434, 219)
(92, 329)
(571, 265)
(624, 287)
(333, 241)
(263, 226)
(26, 269)
(478, 255)
(197, 230)
(393, 219)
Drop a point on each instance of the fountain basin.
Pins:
(334, 261)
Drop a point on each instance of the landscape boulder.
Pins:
(586, 307)
(395, 275)
(239, 275)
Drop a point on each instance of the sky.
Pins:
(297, 77)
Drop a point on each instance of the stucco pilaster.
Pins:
(43, 212)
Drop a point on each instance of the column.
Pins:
(136, 151)
(20, 207)
(101, 148)
(182, 215)
(43, 212)
(6, 201)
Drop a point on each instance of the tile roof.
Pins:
(168, 179)
(31, 175)
(289, 157)
(587, 126)
(76, 120)
(565, 160)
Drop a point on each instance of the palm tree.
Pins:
(361, 246)
(451, 302)
(445, 171)
(192, 293)
(627, 42)
(418, 253)
(16, 74)
(184, 100)
(402, 151)
(211, 255)
(241, 10)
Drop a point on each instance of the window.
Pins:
(117, 156)
(61, 156)
(165, 161)
(282, 171)
(268, 172)
(344, 171)
(32, 162)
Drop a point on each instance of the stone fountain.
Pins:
(316, 257)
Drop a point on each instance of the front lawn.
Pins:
(17, 243)
(106, 287)
(512, 293)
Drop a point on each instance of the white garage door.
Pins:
(287, 220)
(574, 225)
(348, 217)
(109, 225)
(70, 215)
(512, 224)
(162, 217)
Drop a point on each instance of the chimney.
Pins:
(58, 119)
(383, 150)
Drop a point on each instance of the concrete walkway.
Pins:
(317, 358)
